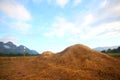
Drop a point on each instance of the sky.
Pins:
(52, 25)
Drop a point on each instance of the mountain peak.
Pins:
(21, 46)
(11, 48)
(9, 43)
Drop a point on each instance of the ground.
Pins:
(26, 68)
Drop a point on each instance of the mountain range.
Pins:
(10, 48)
(105, 48)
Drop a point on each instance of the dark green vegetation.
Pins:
(114, 54)
(117, 50)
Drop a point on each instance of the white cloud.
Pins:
(102, 31)
(115, 10)
(105, 20)
(18, 13)
(62, 3)
(77, 32)
(76, 2)
(60, 27)
(88, 19)
(14, 10)
(109, 29)
(23, 27)
(8, 38)
(103, 4)
(110, 10)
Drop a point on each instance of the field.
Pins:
(74, 63)
(13, 67)
(17, 68)
(114, 54)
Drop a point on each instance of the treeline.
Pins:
(112, 50)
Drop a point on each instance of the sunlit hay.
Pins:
(77, 62)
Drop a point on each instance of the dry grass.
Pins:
(76, 62)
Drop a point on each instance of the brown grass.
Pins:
(76, 62)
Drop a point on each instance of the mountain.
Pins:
(105, 48)
(10, 48)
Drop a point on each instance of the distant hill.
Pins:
(10, 48)
(105, 48)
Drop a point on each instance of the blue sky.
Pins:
(55, 24)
